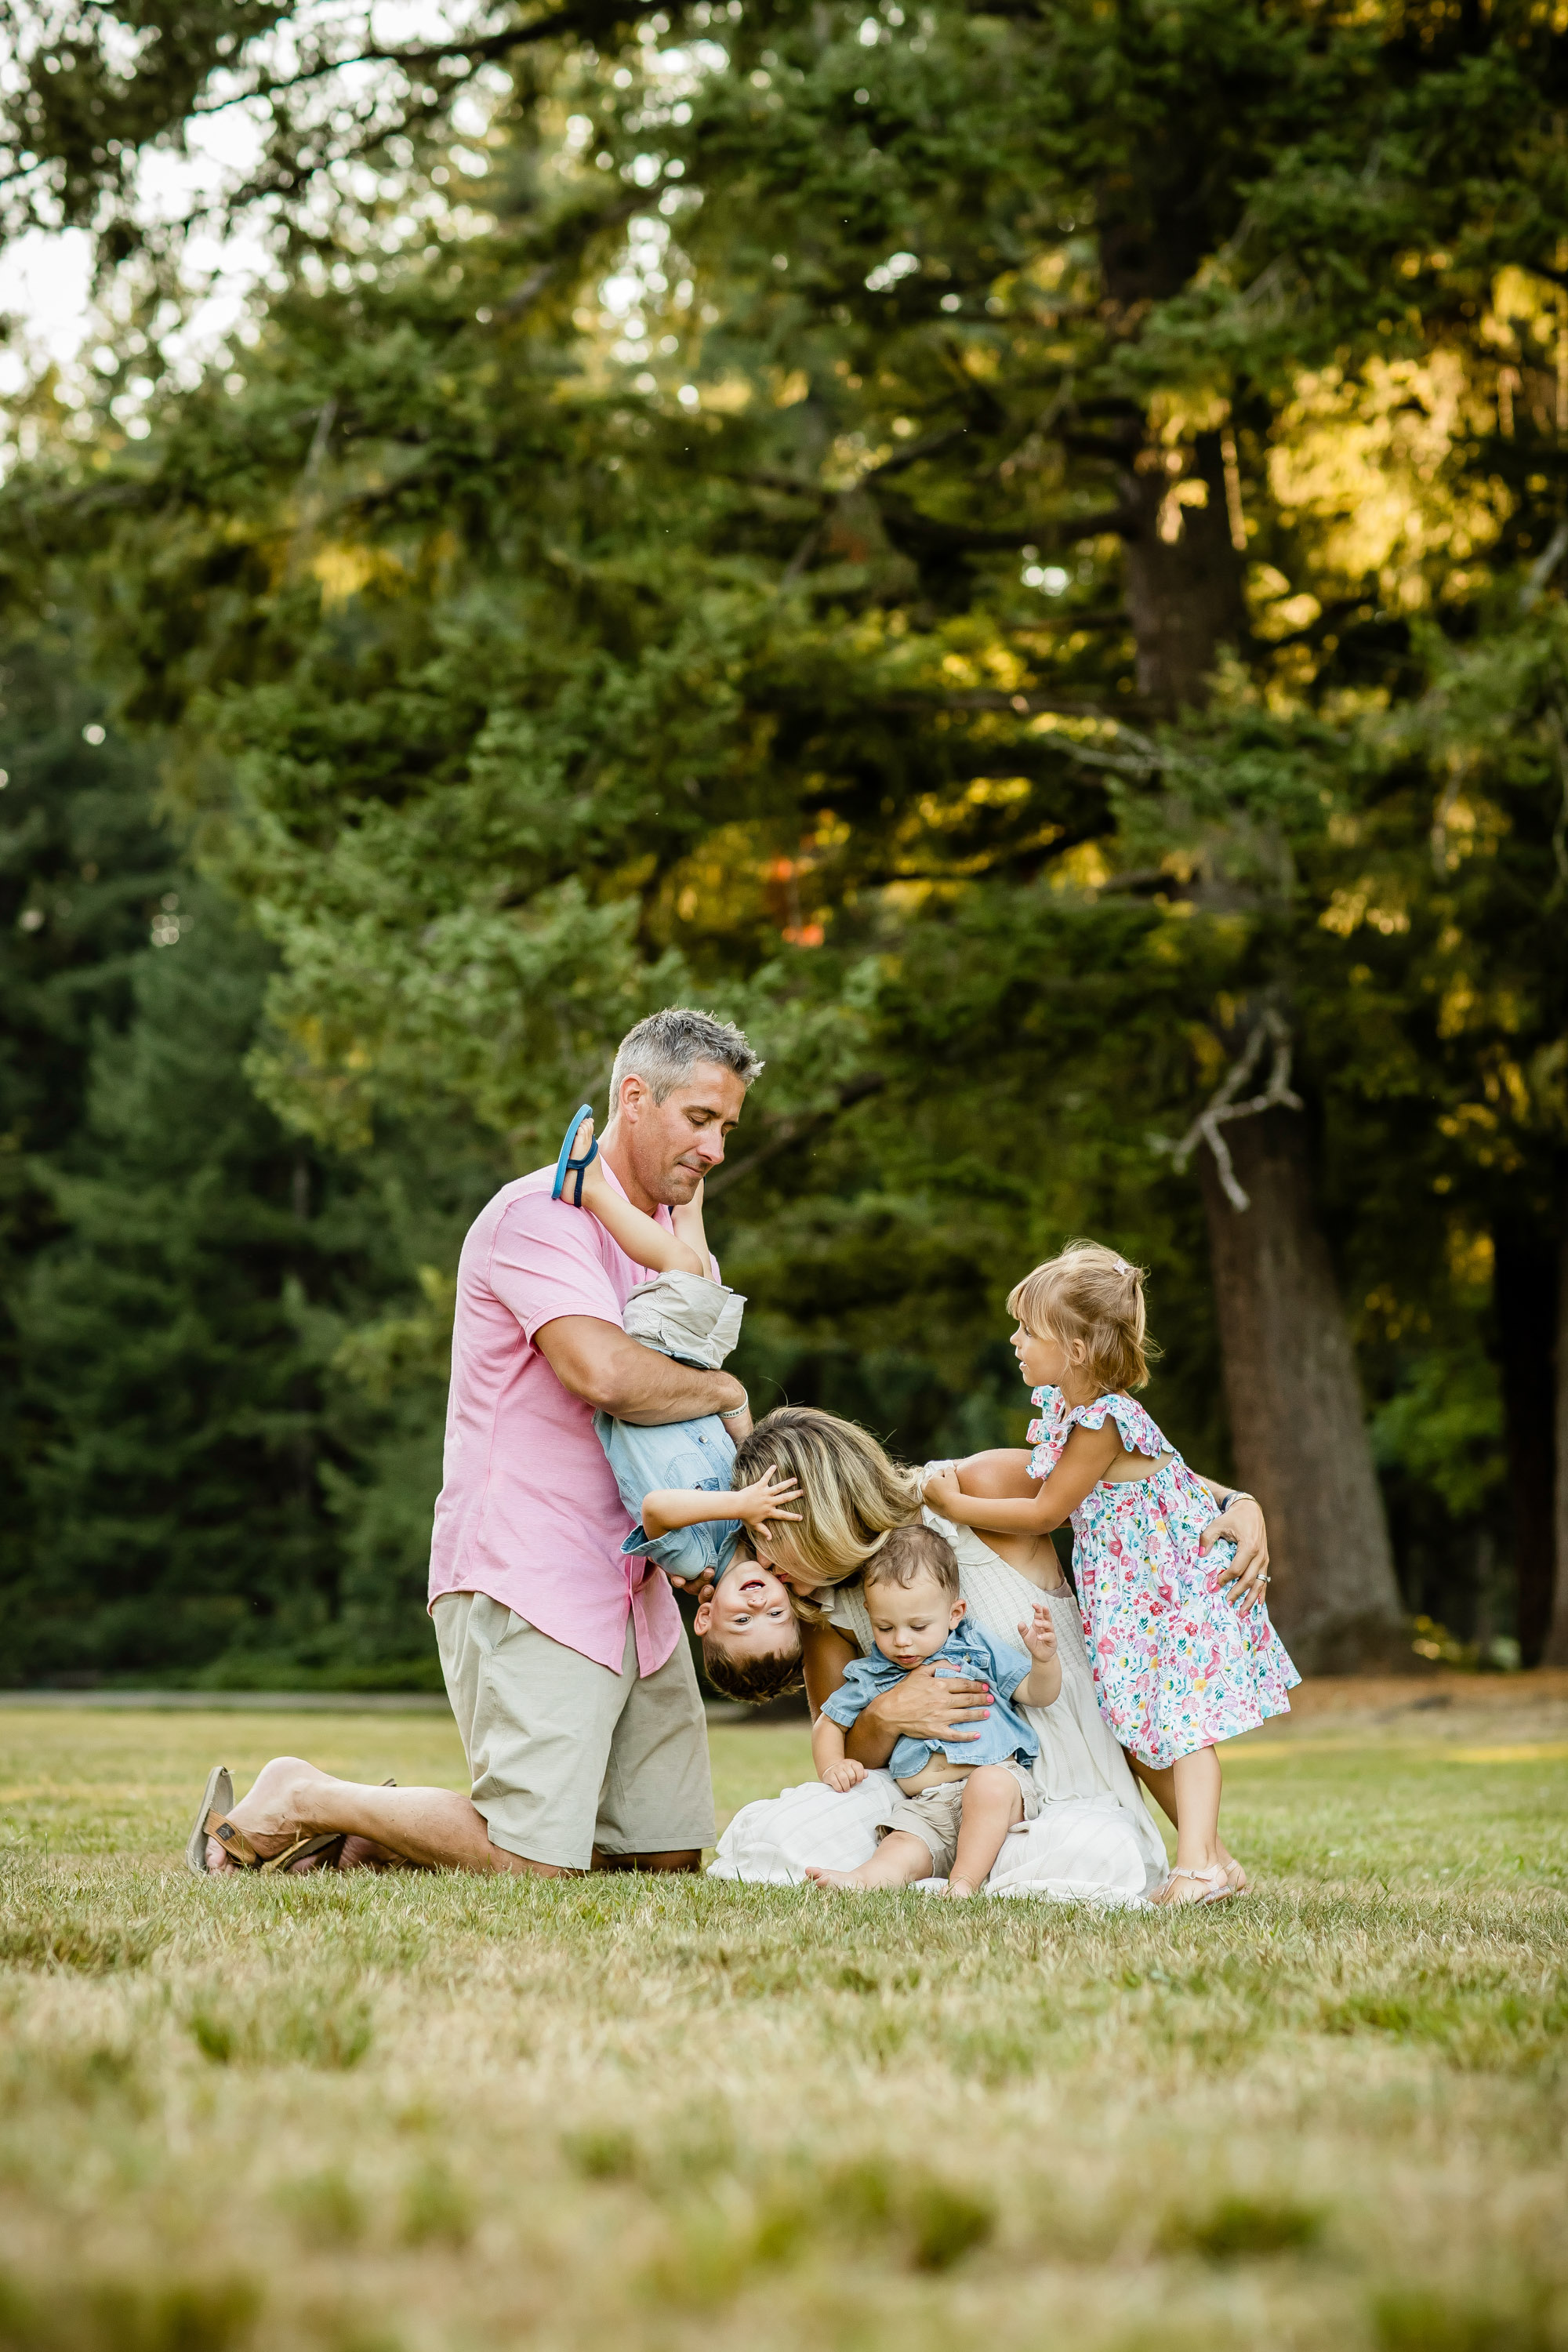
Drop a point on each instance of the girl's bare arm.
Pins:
(1085, 1459)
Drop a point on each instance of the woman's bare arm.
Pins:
(1002, 1473)
(924, 1705)
(824, 1657)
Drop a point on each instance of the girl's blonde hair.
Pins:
(1091, 1294)
(851, 1496)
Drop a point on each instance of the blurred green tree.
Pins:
(925, 529)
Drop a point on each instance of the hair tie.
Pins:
(1122, 1266)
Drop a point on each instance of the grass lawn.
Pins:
(362, 2113)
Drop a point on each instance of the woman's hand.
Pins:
(758, 1506)
(1248, 1571)
(929, 1706)
(843, 1776)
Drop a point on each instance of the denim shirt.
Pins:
(967, 1651)
(699, 1453)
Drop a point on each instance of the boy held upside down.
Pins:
(677, 1478)
(958, 1800)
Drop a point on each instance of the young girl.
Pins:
(1176, 1666)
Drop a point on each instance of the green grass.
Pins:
(367, 2114)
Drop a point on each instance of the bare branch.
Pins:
(1222, 1105)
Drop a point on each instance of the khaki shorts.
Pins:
(935, 1815)
(565, 1755)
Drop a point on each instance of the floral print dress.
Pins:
(1176, 1665)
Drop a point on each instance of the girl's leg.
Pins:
(993, 1801)
(1161, 1787)
(641, 1236)
(1197, 1782)
(898, 1861)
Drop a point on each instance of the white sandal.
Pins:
(1216, 1881)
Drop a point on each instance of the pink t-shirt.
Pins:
(527, 1511)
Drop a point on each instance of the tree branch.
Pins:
(793, 1126)
(482, 50)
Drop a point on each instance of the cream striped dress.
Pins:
(1093, 1839)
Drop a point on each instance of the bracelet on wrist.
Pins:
(744, 1406)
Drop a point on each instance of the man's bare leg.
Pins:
(687, 1862)
(438, 1829)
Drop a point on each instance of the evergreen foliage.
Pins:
(1001, 547)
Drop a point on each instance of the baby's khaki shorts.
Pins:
(934, 1814)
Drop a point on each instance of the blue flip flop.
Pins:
(566, 1166)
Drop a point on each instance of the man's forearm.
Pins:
(672, 1392)
(597, 1362)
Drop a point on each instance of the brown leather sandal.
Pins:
(234, 1842)
(219, 1795)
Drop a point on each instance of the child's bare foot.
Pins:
(837, 1878)
(961, 1887)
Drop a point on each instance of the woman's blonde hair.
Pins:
(851, 1496)
(1091, 1294)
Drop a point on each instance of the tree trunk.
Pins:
(1295, 1402)
(1296, 1411)
(1184, 594)
(1557, 1638)
(1526, 1286)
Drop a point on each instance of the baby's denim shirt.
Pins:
(967, 1651)
(699, 1453)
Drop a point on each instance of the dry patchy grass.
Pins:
(380, 2115)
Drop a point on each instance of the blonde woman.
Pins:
(1093, 1838)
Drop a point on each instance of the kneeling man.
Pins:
(564, 1662)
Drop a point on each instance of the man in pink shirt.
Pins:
(565, 1663)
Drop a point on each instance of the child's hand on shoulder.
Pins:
(843, 1776)
(941, 1491)
(763, 1502)
(1039, 1635)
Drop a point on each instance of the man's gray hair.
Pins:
(665, 1048)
